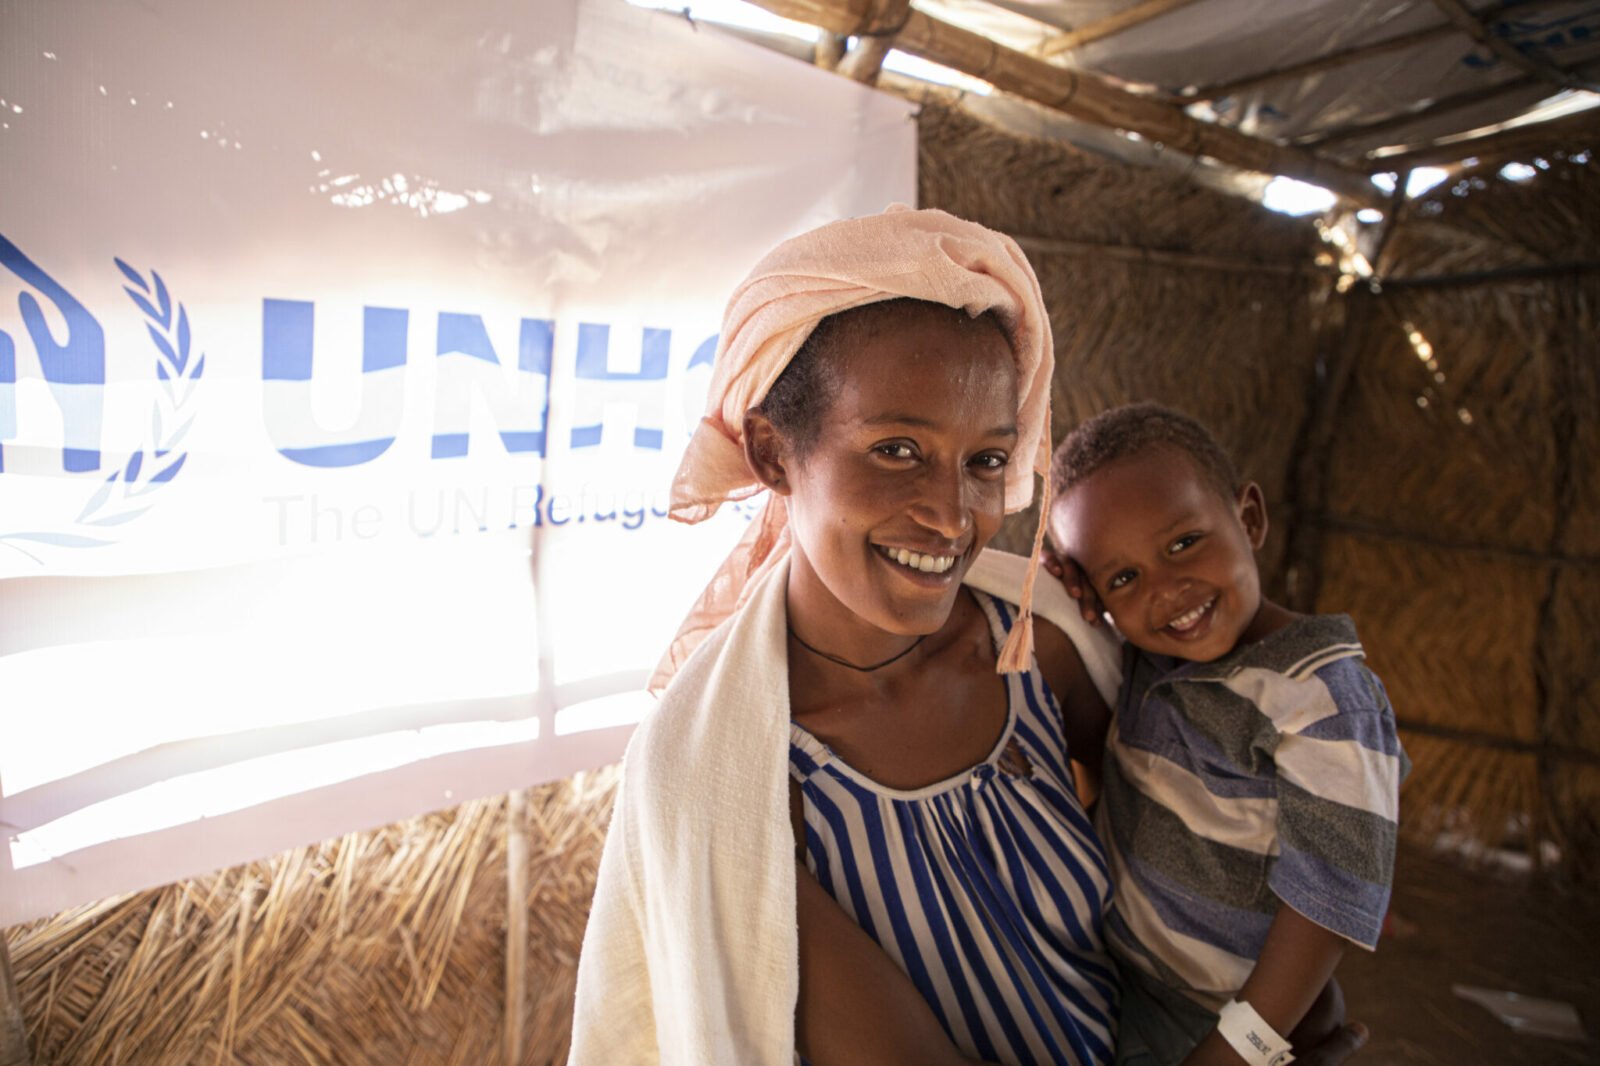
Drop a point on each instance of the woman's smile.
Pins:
(905, 483)
(921, 564)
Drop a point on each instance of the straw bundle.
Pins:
(385, 946)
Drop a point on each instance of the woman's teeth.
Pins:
(1188, 619)
(928, 564)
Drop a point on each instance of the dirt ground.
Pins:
(1451, 924)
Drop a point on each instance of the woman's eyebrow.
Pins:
(894, 418)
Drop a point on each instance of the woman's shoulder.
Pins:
(1004, 576)
(720, 730)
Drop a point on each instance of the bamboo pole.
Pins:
(1484, 739)
(516, 926)
(1473, 25)
(1083, 95)
(1340, 339)
(829, 50)
(1524, 272)
(865, 60)
(1554, 684)
(13, 1029)
(1530, 137)
(1163, 257)
(1137, 15)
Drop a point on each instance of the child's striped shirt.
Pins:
(1269, 775)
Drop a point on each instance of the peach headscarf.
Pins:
(928, 255)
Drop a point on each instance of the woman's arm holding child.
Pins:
(1295, 964)
(857, 1008)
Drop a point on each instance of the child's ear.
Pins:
(1252, 510)
(764, 452)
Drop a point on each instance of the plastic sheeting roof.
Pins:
(1209, 43)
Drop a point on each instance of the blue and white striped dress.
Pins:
(987, 888)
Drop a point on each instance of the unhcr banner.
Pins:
(346, 353)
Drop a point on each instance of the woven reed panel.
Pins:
(1498, 447)
(1469, 459)
(1448, 632)
(1480, 221)
(1574, 659)
(1042, 188)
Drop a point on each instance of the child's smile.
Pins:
(1171, 559)
(1195, 622)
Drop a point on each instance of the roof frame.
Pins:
(1080, 94)
(1495, 146)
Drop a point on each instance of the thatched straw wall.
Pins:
(1224, 328)
(1463, 507)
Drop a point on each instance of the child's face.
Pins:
(1172, 560)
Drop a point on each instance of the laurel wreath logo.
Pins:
(159, 460)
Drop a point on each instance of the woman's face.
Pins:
(905, 482)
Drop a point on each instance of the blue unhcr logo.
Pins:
(75, 371)
(467, 365)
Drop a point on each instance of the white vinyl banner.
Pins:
(346, 354)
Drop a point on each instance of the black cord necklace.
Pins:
(845, 662)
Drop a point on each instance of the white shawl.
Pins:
(691, 956)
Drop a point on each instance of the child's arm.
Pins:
(1294, 965)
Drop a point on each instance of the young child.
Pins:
(1252, 769)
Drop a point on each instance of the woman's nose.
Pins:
(943, 506)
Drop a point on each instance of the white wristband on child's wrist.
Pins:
(1248, 1034)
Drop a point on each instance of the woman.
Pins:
(887, 380)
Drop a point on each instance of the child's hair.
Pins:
(1124, 432)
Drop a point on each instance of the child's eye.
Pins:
(1119, 580)
(1183, 542)
(896, 449)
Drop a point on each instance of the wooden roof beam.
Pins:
(1532, 137)
(1082, 95)
(865, 60)
(1360, 52)
(1137, 15)
(1475, 25)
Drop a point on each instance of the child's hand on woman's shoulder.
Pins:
(1071, 576)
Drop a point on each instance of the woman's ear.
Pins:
(764, 452)
(1252, 510)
